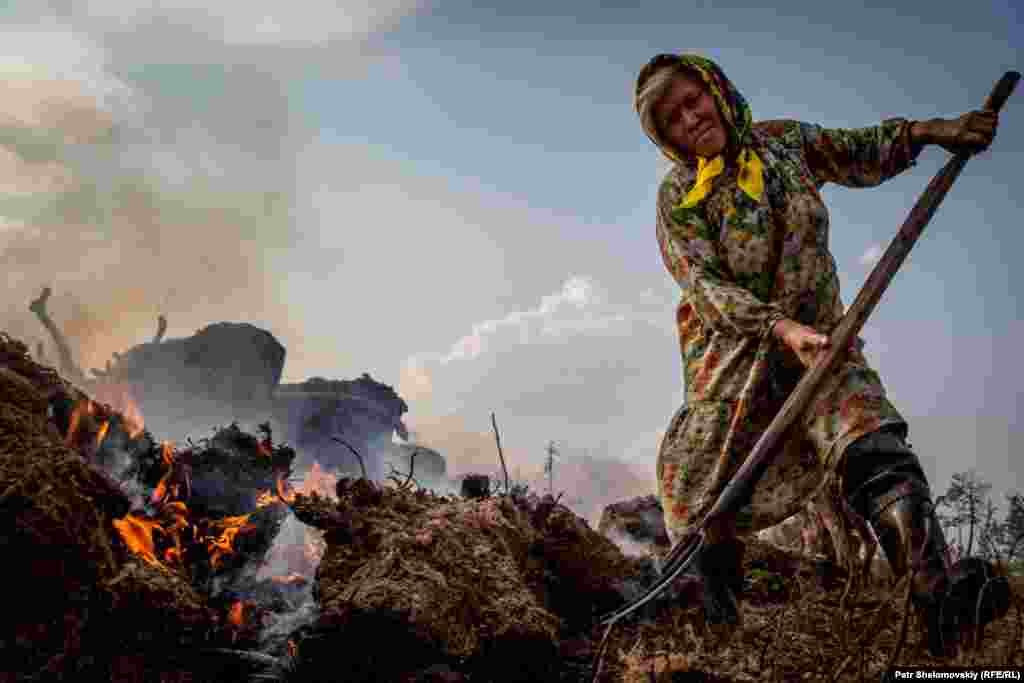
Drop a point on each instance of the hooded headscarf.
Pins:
(736, 118)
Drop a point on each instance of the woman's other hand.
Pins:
(970, 133)
(806, 342)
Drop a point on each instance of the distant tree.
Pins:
(991, 538)
(549, 465)
(1013, 527)
(966, 497)
(947, 510)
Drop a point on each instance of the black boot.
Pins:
(720, 567)
(886, 485)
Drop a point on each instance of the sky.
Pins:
(458, 199)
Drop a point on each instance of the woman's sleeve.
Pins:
(858, 157)
(690, 255)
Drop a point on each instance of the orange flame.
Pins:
(284, 490)
(81, 407)
(221, 546)
(236, 615)
(137, 533)
(118, 396)
(264, 499)
(102, 433)
(318, 481)
(161, 488)
(179, 509)
(160, 492)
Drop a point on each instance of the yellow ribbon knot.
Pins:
(750, 177)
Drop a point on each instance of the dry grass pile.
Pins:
(83, 599)
(487, 586)
(796, 628)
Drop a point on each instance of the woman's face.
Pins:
(687, 117)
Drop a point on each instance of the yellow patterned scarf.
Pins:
(736, 117)
(750, 178)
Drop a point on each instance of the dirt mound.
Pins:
(142, 575)
(798, 624)
(489, 586)
(60, 545)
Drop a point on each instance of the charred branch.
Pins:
(501, 456)
(404, 485)
(68, 367)
(161, 329)
(362, 465)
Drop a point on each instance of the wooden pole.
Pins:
(741, 487)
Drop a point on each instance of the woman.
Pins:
(743, 229)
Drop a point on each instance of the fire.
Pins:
(284, 490)
(179, 511)
(83, 407)
(302, 557)
(179, 508)
(264, 499)
(137, 533)
(118, 396)
(318, 481)
(102, 433)
(236, 615)
(221, 546)
(168, 457)
(180, 534)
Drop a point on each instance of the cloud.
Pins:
(871, 255)
(148, 160)
(558, 315)
(585, 365)
(50, 70)
(250, 22)
(576, 334)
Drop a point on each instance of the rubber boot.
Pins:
(886, 485)
(720, 567)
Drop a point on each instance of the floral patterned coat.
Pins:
(743, 265)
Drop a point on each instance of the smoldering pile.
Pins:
(152, 562)
(132, 553)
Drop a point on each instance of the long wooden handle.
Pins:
(741, 487)
(997, 98)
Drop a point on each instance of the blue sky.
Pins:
(459, 200)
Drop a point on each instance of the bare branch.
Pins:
(161, 328)
(497, 439)
(68, 367)
(362, 465)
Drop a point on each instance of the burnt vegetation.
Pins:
(136, 559)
